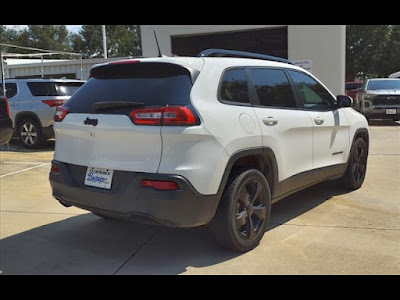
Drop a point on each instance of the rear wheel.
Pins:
(30, 133)
(357, 167)
(243, 214)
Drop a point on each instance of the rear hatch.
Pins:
(98, 129)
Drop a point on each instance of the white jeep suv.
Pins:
(189, 141)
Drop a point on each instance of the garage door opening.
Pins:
(271, 41)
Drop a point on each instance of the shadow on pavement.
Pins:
(383, 123)
(303, 201)
(87, 244)
(15, 145)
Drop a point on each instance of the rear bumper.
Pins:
(126, 199)
(380, 113)
(6, 131)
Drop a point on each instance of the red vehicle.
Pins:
(6, 129)
(351, 88)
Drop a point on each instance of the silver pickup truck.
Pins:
(379, 99)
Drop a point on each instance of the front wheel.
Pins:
(243, 213)
(357, 166)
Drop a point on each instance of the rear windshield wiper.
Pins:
(111, 105)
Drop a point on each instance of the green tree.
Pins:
(365, 46)
(48, 37)
(7, 36)
(391, 56)
(122, 40)
(372, 50)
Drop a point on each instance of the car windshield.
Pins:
(374, 85)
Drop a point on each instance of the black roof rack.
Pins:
(241, 54)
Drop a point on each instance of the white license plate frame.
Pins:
(99, 177)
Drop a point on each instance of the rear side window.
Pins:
(273, 88)
(234, 87)
(53, 88)
(152, 84)
(11, 89)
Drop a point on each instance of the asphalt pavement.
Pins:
(321, 230)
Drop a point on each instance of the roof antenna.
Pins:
(158, 46)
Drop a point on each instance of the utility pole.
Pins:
(3, 77)
(103, 27)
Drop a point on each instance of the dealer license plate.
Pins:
(391, 111)
(98, 177)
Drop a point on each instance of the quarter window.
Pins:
(234, 86)
(273, 87)
(313, 94)
(11, 89)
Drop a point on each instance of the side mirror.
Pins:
(344, 101)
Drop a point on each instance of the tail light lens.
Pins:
(168, 115)
(147, 116)
(160, 185)
(53, 103)
(55, 169)
(7, 106)
(61, 112)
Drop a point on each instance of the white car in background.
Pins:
(395, 75)
(190, 141)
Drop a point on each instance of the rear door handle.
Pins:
(319, 121)
(270, 121)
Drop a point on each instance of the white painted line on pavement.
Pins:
(21, 162)
(23, 170)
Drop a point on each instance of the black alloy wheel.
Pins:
(251, 209)
(357, 166)
(243, 212)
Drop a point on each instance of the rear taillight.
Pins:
(147, 116)
(53, 103)
(7, 106)
(160, 185)
(61, 112)
(55, 169)
(168, 115)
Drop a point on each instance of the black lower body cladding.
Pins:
(127, 199)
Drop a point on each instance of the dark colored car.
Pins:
(6, 129)
(351, 88)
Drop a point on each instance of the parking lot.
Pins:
(321, 230)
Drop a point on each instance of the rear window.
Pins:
(153, 84)
(54, 88)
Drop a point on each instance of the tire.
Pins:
(30, 133)
(244, 210)
(357, 166)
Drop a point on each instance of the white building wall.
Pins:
(323, 44)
